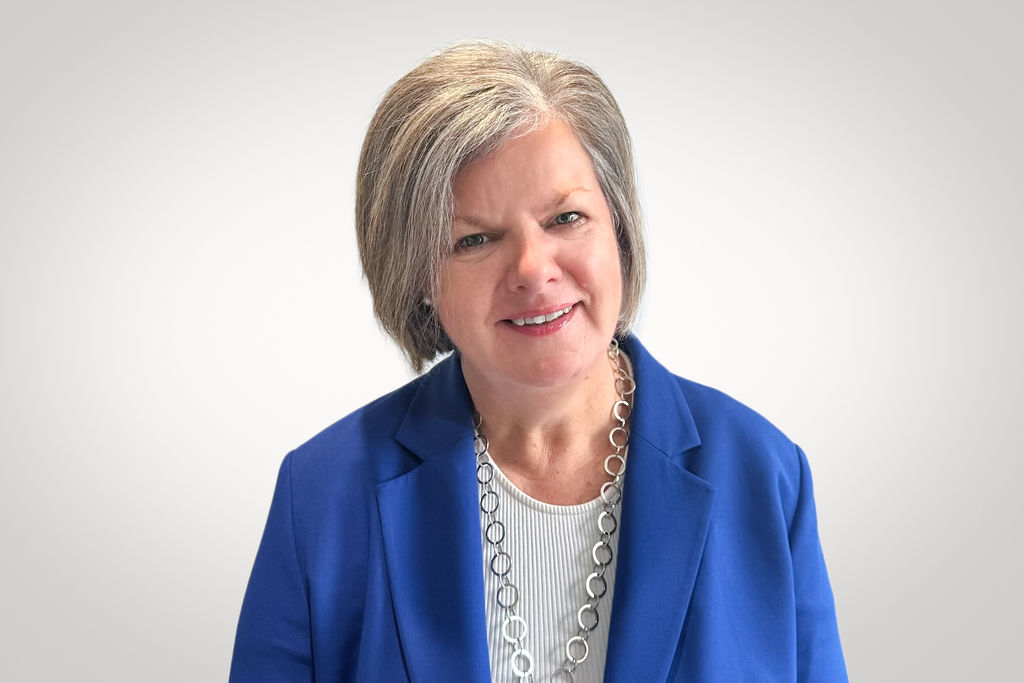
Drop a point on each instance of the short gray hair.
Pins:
(457, 106)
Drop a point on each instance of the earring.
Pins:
(427, 302)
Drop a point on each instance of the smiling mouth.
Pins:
(539, 319)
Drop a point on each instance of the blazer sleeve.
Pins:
(819, 653)
(273, 641)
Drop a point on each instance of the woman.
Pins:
(548, 502)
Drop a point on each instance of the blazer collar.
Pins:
(666, 511)
(431, 529)
(440, 414)
(662, 417)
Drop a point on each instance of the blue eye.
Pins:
(470, 241)
(567, 218)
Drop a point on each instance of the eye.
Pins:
(470, 241)
(568, 218)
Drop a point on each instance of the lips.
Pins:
(540, 319)
(541, 322)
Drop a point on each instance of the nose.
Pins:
(535, 262)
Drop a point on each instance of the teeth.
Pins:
(539, 319)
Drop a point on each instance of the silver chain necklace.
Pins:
(513, 627)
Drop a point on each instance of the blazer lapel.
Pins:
(431, 529)
(665, 516)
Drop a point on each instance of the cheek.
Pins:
(611, 283)
(461, 299)
(605, 270)
(447, 298)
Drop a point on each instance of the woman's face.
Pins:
(532, 293)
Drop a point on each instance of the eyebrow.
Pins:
(562, 197)
(558, 201)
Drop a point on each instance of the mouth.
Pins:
(543, 323)
(541, 319)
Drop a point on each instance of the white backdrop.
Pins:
(833, 195)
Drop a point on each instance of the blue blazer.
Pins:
(370, 567)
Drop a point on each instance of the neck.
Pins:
(549, 441)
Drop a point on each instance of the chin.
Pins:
(551, 370)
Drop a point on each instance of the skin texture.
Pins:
(534, 234)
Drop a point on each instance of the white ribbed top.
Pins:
(550, 546)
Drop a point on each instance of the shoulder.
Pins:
(741, 453)
(719, 417)
(353, 455)
(715, 430)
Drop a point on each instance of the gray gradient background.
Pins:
(833, 195)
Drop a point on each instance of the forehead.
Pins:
(544, 165)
